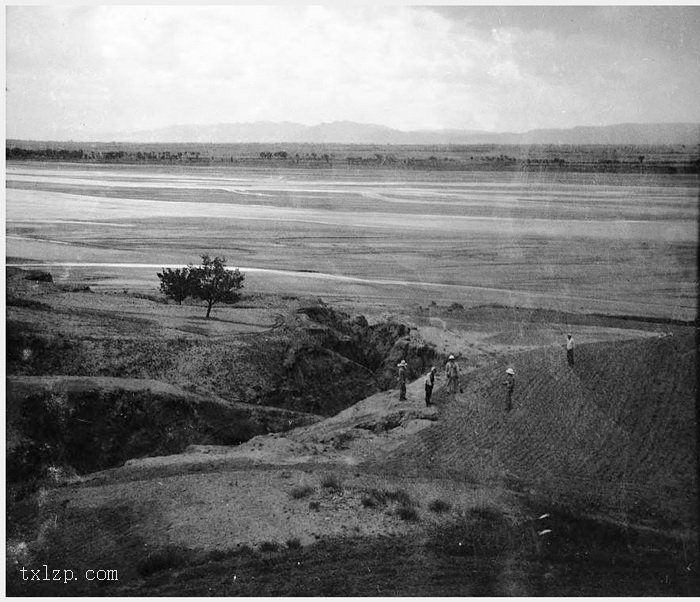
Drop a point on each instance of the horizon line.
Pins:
(472, 132)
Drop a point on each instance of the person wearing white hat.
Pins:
(570, 350)
(452, 373)
(510, 385)
(402, 380)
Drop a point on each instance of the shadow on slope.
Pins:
(481, 553)
(315, 359)
(85, 424)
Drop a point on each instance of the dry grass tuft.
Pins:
(301, 491)
(332, 482)
(439, 506)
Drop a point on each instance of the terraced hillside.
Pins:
(615, 434)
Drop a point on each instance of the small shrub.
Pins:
(39, 276)
(332, 482)
(162, 559)
(215, 555)
(293, 543)
(341, 440)
(439, 506)
(269, 546)
(316, 506)
(374, 498)
(408, 513)
(301, 491)
(401, 497)
(245, 550)
(368, 502)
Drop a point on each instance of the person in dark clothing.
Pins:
(510, 386)
(570, 350)
(429, 384)
(402, 380)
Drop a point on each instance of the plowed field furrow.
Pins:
(616, 428)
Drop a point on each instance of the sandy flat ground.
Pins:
(574, 242)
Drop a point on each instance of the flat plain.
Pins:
(619, 243)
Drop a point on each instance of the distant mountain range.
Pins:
(348, 132)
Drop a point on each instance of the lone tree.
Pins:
(176, 284)
(213, 283)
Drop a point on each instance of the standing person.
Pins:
(570, 350)
(452, 372)
(402, 379)
(510, 385)
(429, 384)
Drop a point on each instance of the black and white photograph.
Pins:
(351, 300)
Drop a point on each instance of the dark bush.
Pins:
(401, 497)
(301, 491)
(269, 546)
(163, 559)
(374, 498)
(13, 301)
(215, 555)
(439, 506)
(39, 276)
(407, 513)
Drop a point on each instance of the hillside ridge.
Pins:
(349, 132)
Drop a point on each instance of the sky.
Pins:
(77, 71)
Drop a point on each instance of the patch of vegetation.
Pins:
(269, 546)
(38, 276)
(400, 497)
(301, 491)
(439, 506)
(482, 532)
(331, 482)
(162, 559)
(315, 506)
(407, 513)
(13, 301)
(370, 500)
(216, 555)
(75, 288)
(294, 543)
(245, 550)
(378, 498)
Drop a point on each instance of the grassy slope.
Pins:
(615, 434)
